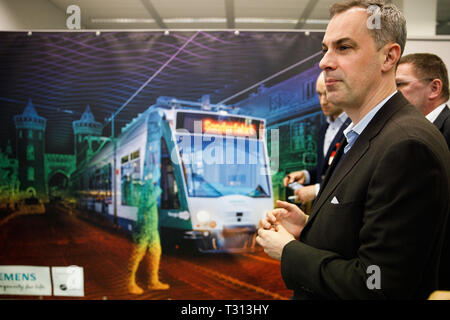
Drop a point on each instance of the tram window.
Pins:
(135, 155)
(169, 196)
(130, 173)
(236, 180)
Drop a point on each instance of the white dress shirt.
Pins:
(332, 130)
(432, 116)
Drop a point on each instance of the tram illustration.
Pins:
(210, 163)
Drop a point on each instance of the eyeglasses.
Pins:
(404, 83)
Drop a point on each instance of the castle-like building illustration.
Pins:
(32, 172)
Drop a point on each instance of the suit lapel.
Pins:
(332, 167)
(334, 177)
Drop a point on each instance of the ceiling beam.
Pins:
(229, 8)
(306, 13)
(155, 15)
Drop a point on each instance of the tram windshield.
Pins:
(219, 166)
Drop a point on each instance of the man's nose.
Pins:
(328, 61)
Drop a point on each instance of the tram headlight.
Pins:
(203, 216)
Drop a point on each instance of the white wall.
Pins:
(420, 17)
(31, 15)
(438, 45)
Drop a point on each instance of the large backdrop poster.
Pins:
(102, 193)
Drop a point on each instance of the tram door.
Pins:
(169, 197)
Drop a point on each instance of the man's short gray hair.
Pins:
(392, 21)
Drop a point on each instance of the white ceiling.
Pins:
(202, 14)
(217, 14)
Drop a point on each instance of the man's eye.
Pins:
(399, 84)
(324, 50)
(343, 48)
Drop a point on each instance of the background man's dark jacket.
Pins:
(442, 122)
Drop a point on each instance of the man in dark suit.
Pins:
(330, 135)
(442, 122)
(376, 228)
(423, 80)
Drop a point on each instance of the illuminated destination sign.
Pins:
(228, 127)
(219, 125)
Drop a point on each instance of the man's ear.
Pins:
(391, 55)
(436, 89)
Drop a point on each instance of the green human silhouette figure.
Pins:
(147, 237)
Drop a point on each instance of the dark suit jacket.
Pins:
(442, 122)
(393, 192)
(322, 162)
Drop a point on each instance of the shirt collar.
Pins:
(339, 120)
(432, 116)
(359, 128)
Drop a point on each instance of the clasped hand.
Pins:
(279, 227)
